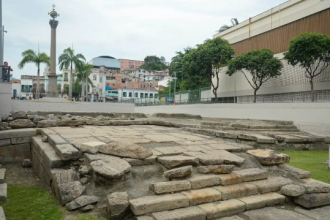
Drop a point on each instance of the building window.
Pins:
(101, 79)
(136, 95)
(156, 95)
(100, 91)
(94, 77)
(124, 94)
(113, 84)
(151, 95)
(141, 95)
(146, 95)
(129, 94)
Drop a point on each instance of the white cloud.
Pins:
(124, 29)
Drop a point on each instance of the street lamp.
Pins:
(233, 57)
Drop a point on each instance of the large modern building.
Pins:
(108, 62)
(273, 29)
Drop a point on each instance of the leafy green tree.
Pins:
(153, 63)
(261, 64)
(67, 59)
(206, 62)
(83, 73)
(310, 51)
(30, 56)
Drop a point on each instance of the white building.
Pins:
(26, 86)
(16, 90)
(66, 78)
(126, 94)
(140, 74)
(99, 78)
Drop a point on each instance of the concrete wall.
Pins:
(5, 99)
(20, 105)
(297, 112)
(278, 16)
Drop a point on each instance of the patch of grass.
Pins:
(87, 217)
(29, 203)
(313, 161)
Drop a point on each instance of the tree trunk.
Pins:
(312, 89)
(86, 89)
(38, 84)
(82, 90)
(70, 85)
(255, 96)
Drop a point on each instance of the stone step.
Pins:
(150, 204)
(3, 192)
(46, 152)
(272, 184)
(223, 208)
(230, 179)
(260, 201)
(253, 174)
(2, 175)
(202, 181)
(237, 191)
(190, 213)
(226, 156)
(170, 187)
(201, 196)
(258, 138)
(177, 161)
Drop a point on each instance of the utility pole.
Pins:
(174, 85)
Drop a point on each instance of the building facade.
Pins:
(273, 29)
(130, 64)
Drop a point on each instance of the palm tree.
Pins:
(30, 56)
(234, 22)
(83, 74)
(68, 58)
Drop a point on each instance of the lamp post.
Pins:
(233, 57)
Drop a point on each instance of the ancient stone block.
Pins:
(5, 142)
(81, 202)
(230, 179)
(205, 159)
(66, 152)
(3, 192)
(189, 213)
(252, 174)
(142, 162)
(226, 156)
(201, 196)
(21, 123)
(171, 150)
(237, 191)
(2, 175)
(70, 191)
(269, 157)
(315, 186)
(117, 205)
(313, 200)
(260, 201)
(169, 187)
(150, 204)
(21, 140)
(225, 169)
(272, 184)
(54, 139)
(28, 132)
(293, 190)
(296, 172)
(178, 172)
(177, 161)
(202, 181)
(222, 209)
(112, 167)
(91, 147)
(47, 123)
(126, 149)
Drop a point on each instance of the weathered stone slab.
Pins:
(227, 147)
(70, 191)
(252, 174)
(258, 138)
(144, 218)
(223, 209)
(170, 187)
(196, 148)
(81, 202)
(272, 184)
(188, 137)
(47, 123)
(50, 158)
(2, 214)
(21, 123)
(201, 196)
(237, 191)
(178, 172)
(117, 205)
(205, 159)
(162, 138)
(189, 213)
(296, 172)
(141, 162)
(5, 142)
(54, 139)
(202, 181)
(177, 161)
(151, 204)
(28, 132)
(77, 142)
(92, 147)
(3, 192)
(315, 186)
(269, 157)
(225, 169)
(260, 201)
(126, 149)
(313, 200)
(19, 114)
(227, 157)
(21, 140)
(66, 151)
(112, 167)
(38, 118)
(225, 134)
(171, 150)
(2, 175)
(230, 179)
(292, 190)
(71, 122)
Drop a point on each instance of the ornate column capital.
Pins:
(53, 23)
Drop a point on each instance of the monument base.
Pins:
(52, 86)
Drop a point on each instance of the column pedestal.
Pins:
(52, 86)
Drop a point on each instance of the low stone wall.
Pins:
(15, 145)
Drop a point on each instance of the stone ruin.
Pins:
(130, 166)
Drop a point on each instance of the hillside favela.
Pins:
(165, 110)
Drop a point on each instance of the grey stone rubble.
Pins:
(195, 171)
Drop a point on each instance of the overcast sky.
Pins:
(129, 29)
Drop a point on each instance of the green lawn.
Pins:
(313, 161)
(29, 203)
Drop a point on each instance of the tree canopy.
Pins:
(260, 64)
(310, 51)
(153, 63)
